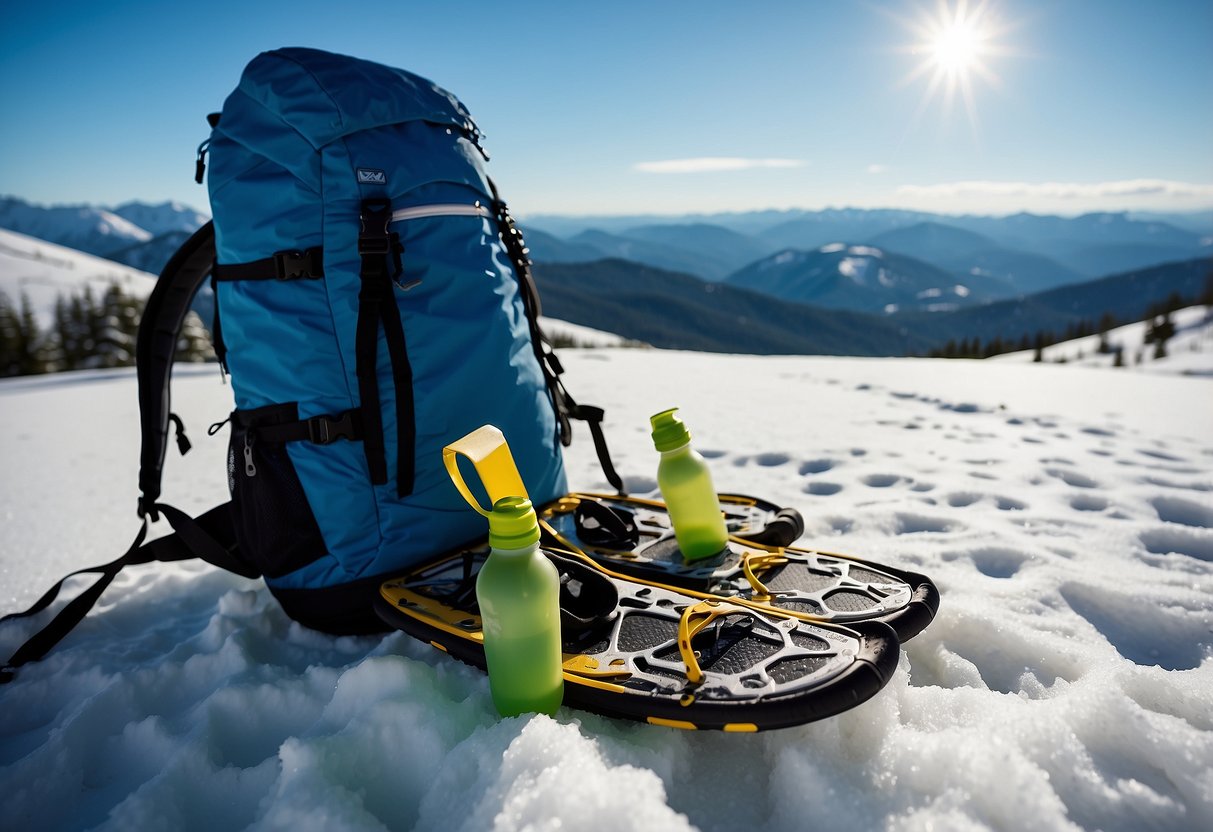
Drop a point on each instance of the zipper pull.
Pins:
(250, 470)
(200, 165)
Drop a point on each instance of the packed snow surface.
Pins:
(1066, 514)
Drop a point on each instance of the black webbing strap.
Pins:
(549, 364)
(319, 430)
(593, 416)
(209, 537)
(281, 265)
(380, 253)
(159, 330)
(519, 254)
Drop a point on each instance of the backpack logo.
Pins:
(367, 176)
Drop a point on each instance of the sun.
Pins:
(957, 48)
(956, 43)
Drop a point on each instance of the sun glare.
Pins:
(955, 43)
(957, 47)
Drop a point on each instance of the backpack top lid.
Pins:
(324, 96)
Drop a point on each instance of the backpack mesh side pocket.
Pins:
(274, 522)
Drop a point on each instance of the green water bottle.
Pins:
(686, 486)
(518, 590)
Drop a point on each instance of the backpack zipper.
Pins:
(453, 209)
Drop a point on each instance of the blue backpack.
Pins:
(373, 303)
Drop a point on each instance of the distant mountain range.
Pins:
(679, 311)
(865, 279)
(868, 282)
(1000, 256)
(135, 233)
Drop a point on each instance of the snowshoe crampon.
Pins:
(659, 654)
(759, 569)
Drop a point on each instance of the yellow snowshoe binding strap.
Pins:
(489, 454)
(694, 620)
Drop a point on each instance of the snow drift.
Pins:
(1066, 514)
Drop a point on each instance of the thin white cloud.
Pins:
(713, 164)
(1062, 190)
(877, 169)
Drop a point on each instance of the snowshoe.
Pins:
(759, 568)
(659, 654)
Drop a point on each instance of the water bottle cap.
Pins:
(513, 524)
(669, 432)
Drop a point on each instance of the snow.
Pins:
(1065, 512)
(1189, 352)
(582, 336)
(855, 268)
(44, 271)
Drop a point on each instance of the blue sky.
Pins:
(613, 108)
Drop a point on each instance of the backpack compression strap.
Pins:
(566, 408)
(380, 252)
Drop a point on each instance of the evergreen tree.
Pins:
(1106, 322)
(194, 345)
(28, 337)
(1119, 360)
(10, 338)
(114, 336)
(1038, 347)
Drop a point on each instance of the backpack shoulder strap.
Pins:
(159, 330)
(209, 536)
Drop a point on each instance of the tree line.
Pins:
(1159, 330)
(87, 332)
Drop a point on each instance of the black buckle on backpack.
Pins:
(292, 265)
(325, 430)
(375, 217)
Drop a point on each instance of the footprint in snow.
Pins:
(1009, 504)
(822, 489)
(880, 480)
(770, 460)
(816, 466)
(1088, 502)
(1183, 512)
(963, 499)
(712, 453)
(998, 561)
(1188, 486)
(1159, 455)
(1143, 632)
(639, 484)
(919, 523)
(1072, 478)
(1178, 540)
